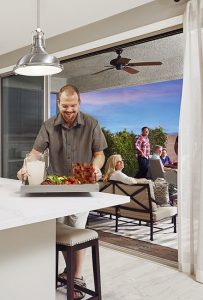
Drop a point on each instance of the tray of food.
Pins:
(60, 184)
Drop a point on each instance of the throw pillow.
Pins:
(161, 192)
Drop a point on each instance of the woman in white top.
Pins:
(113, 171)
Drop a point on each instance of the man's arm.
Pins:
(138, 144)
(98, 162)
(22, 173)
(98, 159)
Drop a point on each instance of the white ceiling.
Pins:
(19, 18)
(168, 50)
(73, 27)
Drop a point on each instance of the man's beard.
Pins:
(69, 117)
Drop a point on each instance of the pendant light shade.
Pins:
(38, 62)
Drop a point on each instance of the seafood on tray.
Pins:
(82, 173)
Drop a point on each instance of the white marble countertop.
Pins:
(17, 209)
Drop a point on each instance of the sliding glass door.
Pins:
(22, 114)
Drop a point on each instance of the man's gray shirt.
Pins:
(69, 145)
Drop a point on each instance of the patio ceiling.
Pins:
(168, 50)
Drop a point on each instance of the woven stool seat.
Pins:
(70, 236)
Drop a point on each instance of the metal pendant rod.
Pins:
(38, 14)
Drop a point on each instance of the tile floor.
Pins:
(128, 277)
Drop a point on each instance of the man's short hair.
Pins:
(156, 147)
(68, 87)
(145, 127)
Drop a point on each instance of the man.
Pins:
(71, 136)
(157, 155)
(157, 151)
(142, 146)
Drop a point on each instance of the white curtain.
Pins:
(190, 178)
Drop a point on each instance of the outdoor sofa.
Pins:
(142, 205)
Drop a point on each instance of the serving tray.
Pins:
(29, 189)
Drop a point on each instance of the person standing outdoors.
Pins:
(142, 145)
(71, 137)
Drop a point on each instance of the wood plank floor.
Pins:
(140, 246)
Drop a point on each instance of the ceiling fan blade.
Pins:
(122, 61)
(130, 70)
(102, 71)
(145, 63)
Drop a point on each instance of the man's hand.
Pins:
(141, 153)
(22, 174)
(98, 174)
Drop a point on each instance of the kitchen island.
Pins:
(27, 237)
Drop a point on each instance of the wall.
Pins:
(170, 146)
(57, 83)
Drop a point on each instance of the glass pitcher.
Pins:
(35, 165)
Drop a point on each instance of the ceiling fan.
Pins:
(122, 63)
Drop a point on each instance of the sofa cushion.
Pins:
(161, 213)
(164, 212)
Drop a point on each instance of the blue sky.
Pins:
(152, 105)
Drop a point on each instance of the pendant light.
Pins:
(38, 62)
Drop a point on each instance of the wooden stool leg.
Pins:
(96, 268)
(70, 273)
(174, 222)
(57, 264)
(151, 230)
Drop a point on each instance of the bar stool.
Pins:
(70, 240)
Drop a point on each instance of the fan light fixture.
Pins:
(38, 62)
